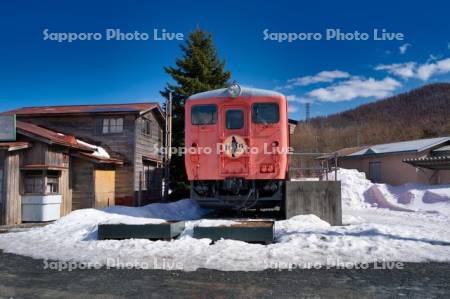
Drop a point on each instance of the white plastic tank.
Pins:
(38, 208)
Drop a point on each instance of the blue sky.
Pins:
(333, 75)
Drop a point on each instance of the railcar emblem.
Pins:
(234, 146)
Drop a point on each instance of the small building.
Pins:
(422, 161)
(45, 166)
(132, 133)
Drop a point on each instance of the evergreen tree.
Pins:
(198, 69)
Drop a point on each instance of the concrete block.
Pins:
(247, 231)
(321, 198)
(162, 231)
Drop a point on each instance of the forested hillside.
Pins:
(420, 113)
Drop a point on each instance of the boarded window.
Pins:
(112, 125)
(265, 113)
(204, 114)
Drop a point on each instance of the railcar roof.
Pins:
(245, 92)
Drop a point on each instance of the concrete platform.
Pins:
(247, 231)
(163, 231)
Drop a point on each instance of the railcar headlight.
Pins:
(234, 90)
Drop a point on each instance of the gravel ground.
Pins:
(24, 277)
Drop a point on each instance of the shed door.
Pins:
(375, 172)
(104, 187)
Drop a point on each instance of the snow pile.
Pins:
(369, 234)
(359, 192)
(99, 151)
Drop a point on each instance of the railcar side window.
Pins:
(204, 114)
(234, 119)
(265, 113)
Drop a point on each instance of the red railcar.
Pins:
(237, 142)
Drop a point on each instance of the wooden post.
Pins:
(168, 147)
(139, 203)
(335, 166)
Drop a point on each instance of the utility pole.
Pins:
(168, 147)
(307, 109)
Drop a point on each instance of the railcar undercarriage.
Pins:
(238, 193)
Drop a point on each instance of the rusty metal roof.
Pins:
(83, 109)
(15, 145)
(50, 135)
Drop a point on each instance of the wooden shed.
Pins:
(43, 162)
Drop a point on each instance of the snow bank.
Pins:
(372, 231)
(359, 192)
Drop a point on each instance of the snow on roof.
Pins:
(99, 151)
(245, 92)
(405, 146)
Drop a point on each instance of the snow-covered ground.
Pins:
(409, 223)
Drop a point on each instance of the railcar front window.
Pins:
(265, 113)
(204, 115)
(234, 119)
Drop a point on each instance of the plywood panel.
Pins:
(104, 187)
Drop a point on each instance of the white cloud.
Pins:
(321, 77)
(419, 71)
(404, 70)
(356, 87)
(297, 99)
(403, 48)
(292, 109)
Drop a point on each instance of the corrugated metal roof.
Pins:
(245, 92)
(14, 145)
(343, 152)
(442, 149)
(405, 146)
(80, 109)
(52, 136)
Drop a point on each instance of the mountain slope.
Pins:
(420, 113)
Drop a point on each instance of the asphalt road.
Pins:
(24, 277)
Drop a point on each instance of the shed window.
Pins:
(52, 185)
(34, 182)
(41, 182)
(265, 113)
(234, 119)
(204, 114)
(112, 125)
(146, 127)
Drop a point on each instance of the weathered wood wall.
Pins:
(89, 128)
(66, 193)
(12, 206)
(2, 185)
(82, 182)
(146, 146)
